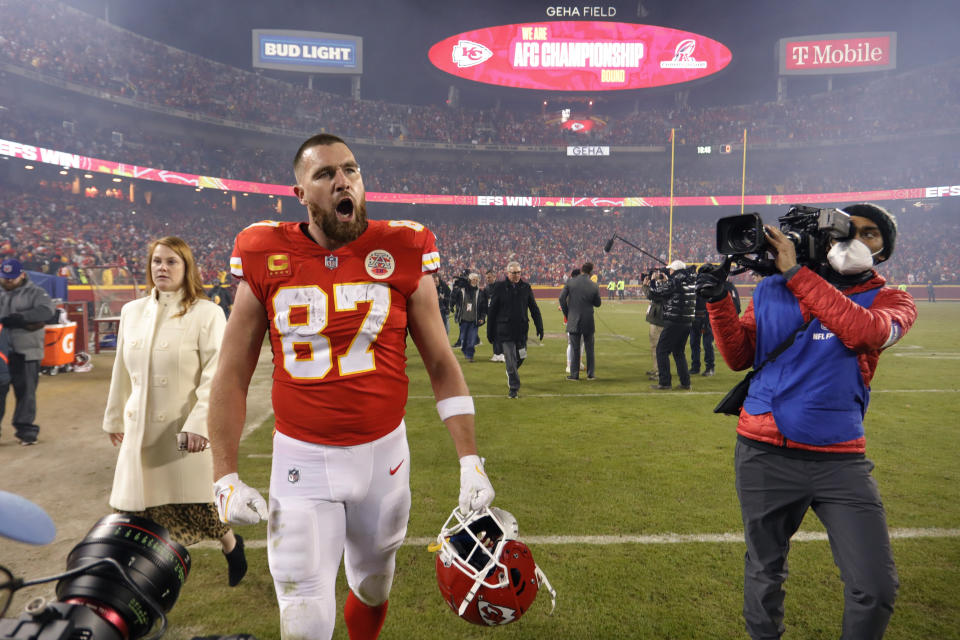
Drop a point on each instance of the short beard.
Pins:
(340, 232)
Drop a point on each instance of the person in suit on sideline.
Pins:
(577, 300)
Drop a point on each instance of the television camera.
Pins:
(811, 230)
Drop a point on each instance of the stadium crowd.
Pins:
(51, 43)
(65, 44)
(54, 230)
(416, 172)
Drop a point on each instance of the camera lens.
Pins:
(738, 235)
(743, 240)
(157, 565)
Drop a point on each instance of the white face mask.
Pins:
(850, 257)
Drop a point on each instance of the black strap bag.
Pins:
(733, 401)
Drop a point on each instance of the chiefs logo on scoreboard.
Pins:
(469, 54)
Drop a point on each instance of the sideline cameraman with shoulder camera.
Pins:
(677, 293)
(800, 438)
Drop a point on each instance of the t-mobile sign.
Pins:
(838, 53)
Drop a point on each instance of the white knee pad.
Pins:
(370, 562)
(292, 550)
(374, 590)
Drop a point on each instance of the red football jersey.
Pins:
(338, 323)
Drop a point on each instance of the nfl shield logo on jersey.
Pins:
(330, 262)
(293, 475)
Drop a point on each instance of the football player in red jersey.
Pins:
(337, 295)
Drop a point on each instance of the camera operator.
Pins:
(654, 317)
(678, 294)
(800, 438)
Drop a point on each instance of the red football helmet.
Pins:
(485, 574)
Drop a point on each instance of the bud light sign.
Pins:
(579, 56)
(307, 51)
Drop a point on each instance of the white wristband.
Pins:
(455, 406)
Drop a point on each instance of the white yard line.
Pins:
(678, 394)
(654, 538)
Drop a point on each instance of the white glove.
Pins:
(476, 492)
(237, 503)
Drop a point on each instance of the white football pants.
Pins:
(327, 502)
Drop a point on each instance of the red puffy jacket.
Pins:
(865, 331)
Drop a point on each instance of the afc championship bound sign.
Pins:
(838, 53)
(579, 56)
(307, 51)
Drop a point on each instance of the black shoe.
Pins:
(513, 394)
(26, 434)
(708, 372)
(574, 378)
(661, 387)
(695, 370)
(685, 387)
(591, 377)
(236, 563)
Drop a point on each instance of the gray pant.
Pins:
(775, 493)
(24, 376)
(513, 360)
(574, 339)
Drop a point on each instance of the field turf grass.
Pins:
(598, 473)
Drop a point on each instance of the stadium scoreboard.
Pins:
(579, 56)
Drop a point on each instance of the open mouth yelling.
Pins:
(345, 210)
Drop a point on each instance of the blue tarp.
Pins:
(55, 286)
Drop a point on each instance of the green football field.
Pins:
(626, 497)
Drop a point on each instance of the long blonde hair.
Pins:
(192, 286)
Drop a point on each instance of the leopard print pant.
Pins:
(186, 523)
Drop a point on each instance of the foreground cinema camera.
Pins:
(810, 229)
(121, 578)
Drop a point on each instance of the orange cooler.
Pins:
(59, 344)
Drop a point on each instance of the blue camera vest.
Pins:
(814, 388)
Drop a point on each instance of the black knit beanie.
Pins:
(883, 219)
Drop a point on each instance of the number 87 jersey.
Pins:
(337, 323)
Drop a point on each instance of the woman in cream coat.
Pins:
(167, 349)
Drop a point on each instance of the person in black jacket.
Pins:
(220, 294)
(471, 314)
(456, 295)
(443, 298)
(700, 333)
(508, 324)
(678, 295)
(491, 277)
